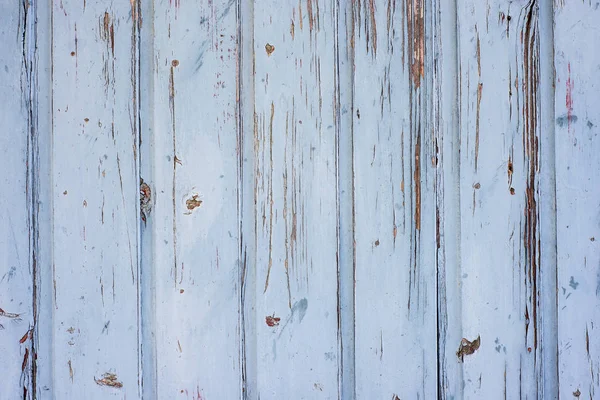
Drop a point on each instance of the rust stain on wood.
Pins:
(272, 320)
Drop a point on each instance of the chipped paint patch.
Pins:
(467, 347)
(109, 379)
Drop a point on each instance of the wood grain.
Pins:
(577, 180)
(295, 190)
(499, 74)
(299, 199)
(16, 203)
(94, 194)
(194, 176)
(394, 161)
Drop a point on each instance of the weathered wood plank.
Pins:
(194, 180)
(577, 62)
(499, 74)
(16, 267)
(95, 197)
(296, 200)
(394, 161)
(447, 197)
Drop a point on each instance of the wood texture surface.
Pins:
(310, 199)
(577, 62)
(16, 243)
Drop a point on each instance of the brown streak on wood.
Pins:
(25, 359)
(415, 28)
(309, 10)
(417, 183)
(373, 27)
(71, 373)
(9, 315)
(477, 115)
(270, 196)
(530, 139)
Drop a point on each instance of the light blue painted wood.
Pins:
(394, 204)
(95, 206)
(404, 175)
(499, 125)
(577, 62)
(190, 122)
(16, 242)
(296, 202)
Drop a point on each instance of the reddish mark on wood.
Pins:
(26, 336)
(272, 320)
(71, 373)
(109, 379)
(25, 359)
(107, 31)
(373, 26)
(175, 63)
(569, 97)
(9, 315)
(311, 20)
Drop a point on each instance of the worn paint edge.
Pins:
(346, 255)
(447, 181)
(39, 57)
(245, 86)
(548, 386)
(29, 380)
(146, 236)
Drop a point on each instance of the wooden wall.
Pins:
(312, 199)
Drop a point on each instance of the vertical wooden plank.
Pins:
(577, 63)
(500, 249)
(43, 335)
(394, 161)
(95, 197)
(296, 200)
(447, 182)
(16, 267)
(193, 212)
